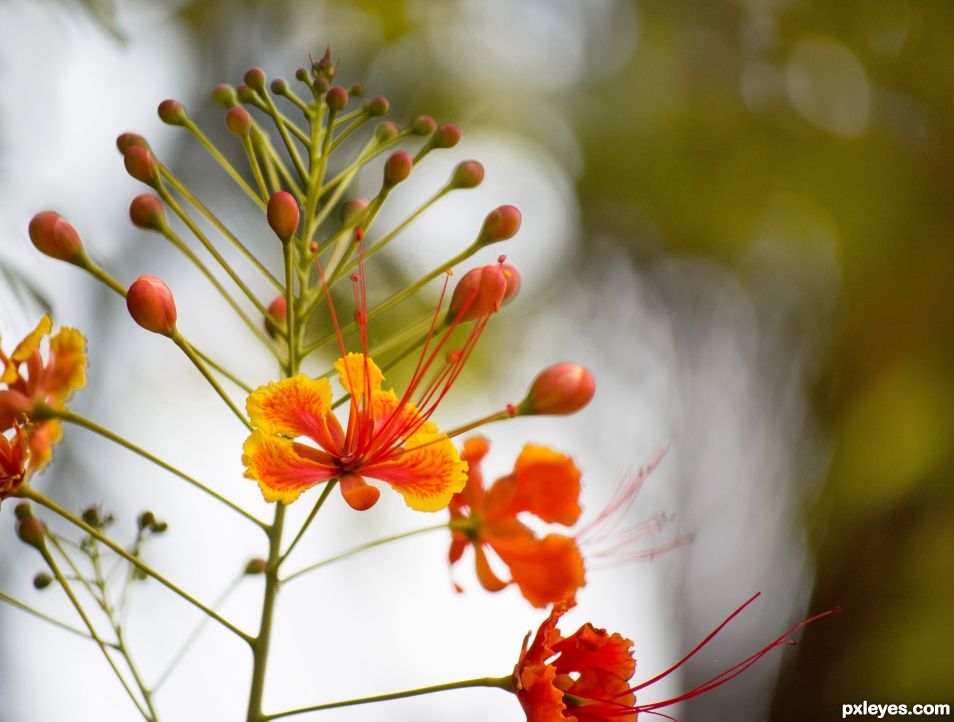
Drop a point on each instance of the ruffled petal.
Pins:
(534, 678)
(31, 343)
(544, 483)
(485, 574)
(427, 472)
(66, 370)
(282, 473)
(299, 406)
(358, 373)
(545, 570)
(601, 665)
(474, 451)
(41, 438)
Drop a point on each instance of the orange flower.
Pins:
(29, 382)
(12, 462)
(387, 437)
(543, 483)
(585, 677)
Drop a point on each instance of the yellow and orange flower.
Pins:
(13, 461)
(386, 438)
(29, 381)
(544, 483)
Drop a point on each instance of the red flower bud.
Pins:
(377, 106)
(277, 312)
(172, 112)
(255, 79)
(397, 168)
(351, 210)
(468, 174)
(336, 98)
(301, 75)
(238, 121)
(479, 293)
(447, 136)
(386, 131)
(142, 165)
(562, 389)
(146, 211)
(127, 140)
(500, 224)
(423, 125)
(512, 275)
(283, 214)
(32, 531)
(223, 95)
(279, 86)
(56, 237)
(151, 305)
(245, 94)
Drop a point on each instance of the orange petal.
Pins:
(31, 343)
(474, 451)
(359, 495)
(428, 472)
(546, 570)
(41, 438)
(299, 406)
(485, 575)
(601, 665)
(358, 373)
(66, 370)
(544, 482)
(281, 472)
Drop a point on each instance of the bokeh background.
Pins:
(737, 213)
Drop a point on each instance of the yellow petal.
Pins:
(358, 373)
(298, 406)
(282, 474)
(67, 364)
(31, 343)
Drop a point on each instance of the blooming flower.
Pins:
(387, 437)
(29, 381)
(12, 462)
(585, 677)
(544, 483)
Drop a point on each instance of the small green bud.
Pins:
(23, 510)
(32, 531)
(223, 95)
(386, 131)
(423, 125)
(255, 79)
(336, 98)
(146, 520)
(42, 580)
(377, 106)
(255, 566)
(468, 174)
(92, 515)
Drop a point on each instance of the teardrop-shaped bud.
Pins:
(447, 136)
(283, 214)
(351, 210)
(562, 389)
(54, 236)
(142, 165)
(397, 168)
(125, 141)
(500, 224)
(386, 131)
(32, 531)
(152, 305)
(238, 121)
(479, 293)
(255, 79)
(276, 315)
(146, 211)
(172, 112)
(423, 125)
(377, 106)
(223, 95)
(467, 174)
(337, 98)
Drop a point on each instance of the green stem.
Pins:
(255, 166)
(103, 277)
(364, 547)
(13, 602)
(311, 517)
(90, 425)
(222, 370)
(180, 341)
(504, 683)
(54, 567)
(44, 501)
(221, 160)
(262, 642)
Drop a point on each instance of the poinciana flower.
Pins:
(13, 460)
(545, 484)
(30, 381)
(387, 437)
(585, 677)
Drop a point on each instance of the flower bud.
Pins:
(146, 211)
(447, 136)
(255, 79)
(479, 293)
(468, 174)
(160, 527)
(32, 531)
(423, 125)
(336, 98)
(279, 86)
(125, 141)
(23, 510)
(283, 214)
(500, 224)
(223, 95)
(301, 75)
(562, 389)
(377, 106)
(512, 275)
(146, 520)
(351, 210)
(245, 94)
(356, 89)
(56, 237)
(151, 304)
(238, 121)
(92, 515)
(277, 313)
(324, 67)
(386, 131)
(255, 566)
(397, 168)
(142, 165)
(172, 112)
(42, 580)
